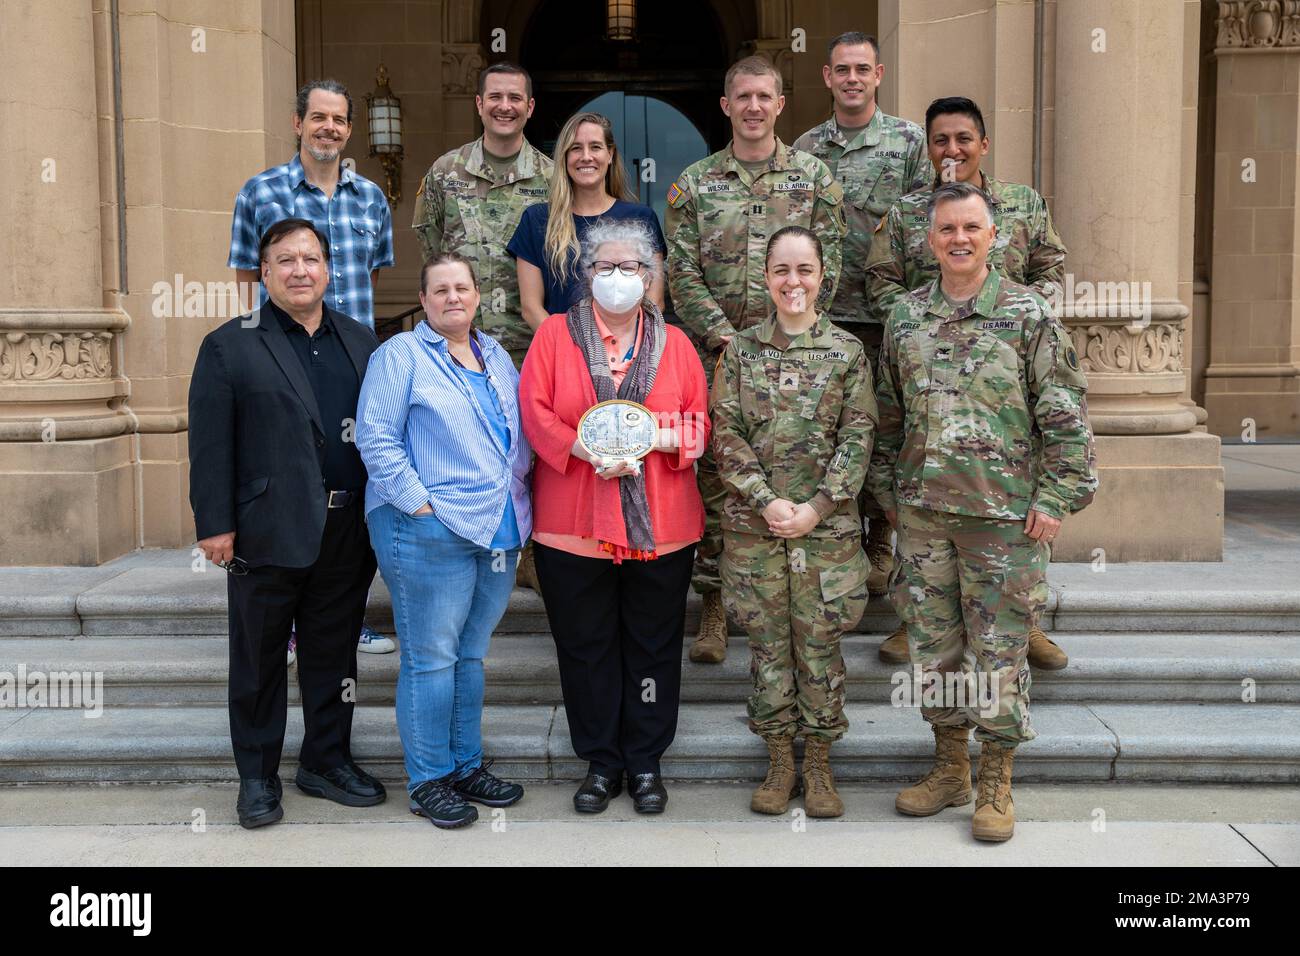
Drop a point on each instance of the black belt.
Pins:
(340, 499)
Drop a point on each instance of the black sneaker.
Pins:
(437, 802)
(487, 788)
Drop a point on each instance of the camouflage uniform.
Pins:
(461, 208)
(1026, 250)
(982, 417)
(719, 220)
(794, 419)
(875, 168)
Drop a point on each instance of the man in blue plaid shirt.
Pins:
(351, 210)
(348, 208)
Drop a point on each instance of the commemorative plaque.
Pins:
(618, 430)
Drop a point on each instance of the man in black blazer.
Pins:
(278, 487)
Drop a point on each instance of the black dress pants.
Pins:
(618, 636)
(327, 600)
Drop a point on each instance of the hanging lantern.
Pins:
(620, 20)
(384, 111)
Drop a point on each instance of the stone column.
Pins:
(986, 49)
(65, 455)
(1252, 384)
(1119, 155)
(464, 56)
(772, 43)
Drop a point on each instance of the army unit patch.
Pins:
(1072, 358)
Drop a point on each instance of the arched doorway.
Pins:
(672, 70)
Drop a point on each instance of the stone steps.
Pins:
(1159, 654)
(1181, 742)
(1208, 668)
(176, 601)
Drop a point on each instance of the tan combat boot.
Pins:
(948, 782)
(893, 649)
(526, 572)
(1044, 653)
(820, 798)
(995, 814)
(880, 555)
(781, 782)
(710, 646)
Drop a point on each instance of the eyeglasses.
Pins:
(631, 267)
(235, 566)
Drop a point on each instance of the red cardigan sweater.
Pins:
(555, 390)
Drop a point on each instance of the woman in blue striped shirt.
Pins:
(448, 508)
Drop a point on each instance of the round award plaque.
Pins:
(619, 430)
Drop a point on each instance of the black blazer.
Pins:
(257, 445)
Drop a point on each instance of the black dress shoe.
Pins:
(439, 803)
(596, 792)
(348, 785)
(259, 801)
(648, 793)
(487, 788)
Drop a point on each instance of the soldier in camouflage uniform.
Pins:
(983, 447)
(470, 202)
(793, 416)
(471, 199)
(876, 158)
(1026, 250)
(721, 213)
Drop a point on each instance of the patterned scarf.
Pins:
(633, 536)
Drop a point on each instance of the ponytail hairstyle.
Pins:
(561, 245)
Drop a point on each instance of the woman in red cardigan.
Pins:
(614, 543)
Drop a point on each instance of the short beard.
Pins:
(322, 155)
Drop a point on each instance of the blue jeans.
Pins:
(448, 596)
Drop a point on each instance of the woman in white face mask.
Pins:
(614, 544)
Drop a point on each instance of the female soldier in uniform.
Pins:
(793, 415)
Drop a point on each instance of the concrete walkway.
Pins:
(706, 825)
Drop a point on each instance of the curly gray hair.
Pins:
(631, 232)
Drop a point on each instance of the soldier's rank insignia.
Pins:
(789, 381)
(675, 193)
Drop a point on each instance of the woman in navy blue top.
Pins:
(595, 188)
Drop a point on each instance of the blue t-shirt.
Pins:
(507, 534)
(563, 292)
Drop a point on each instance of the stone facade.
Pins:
(97, 332)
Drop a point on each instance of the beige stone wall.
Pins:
(986, 48)
(355, 37)
(1255, 320)
(207, 91)
(93, 399)
(808, 102)
(65, 469)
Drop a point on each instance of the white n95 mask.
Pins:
(617, 293)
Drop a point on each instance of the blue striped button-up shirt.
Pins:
(424, 437)
(356, 219)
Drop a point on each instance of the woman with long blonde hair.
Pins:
(594, 188)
